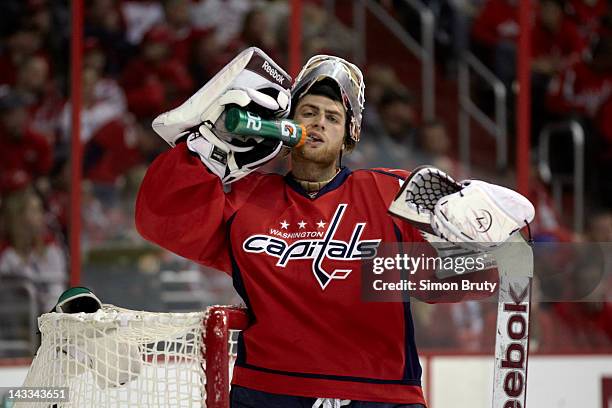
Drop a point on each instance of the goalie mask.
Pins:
(349, 79)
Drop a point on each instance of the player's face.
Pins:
(324, 120)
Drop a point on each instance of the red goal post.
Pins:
(220, 322)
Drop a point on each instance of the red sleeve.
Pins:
(181, 206)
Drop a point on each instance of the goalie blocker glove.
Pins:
(252, 81)
(473, 214)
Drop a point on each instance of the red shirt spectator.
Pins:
(103, 100)
(587, 14)
(111, 152)
(579, 89)
(34, 82)
(496, 22)
(24, 154)
(19, 46)
(156, 81)
(255, 33)
(556, 36)
(588, 324)
(178, 18)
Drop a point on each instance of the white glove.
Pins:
(473, 214)
(252, 80)
(231, 157)
(481, 215)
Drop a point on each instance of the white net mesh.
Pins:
(122, 358)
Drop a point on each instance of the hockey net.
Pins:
(124, 358)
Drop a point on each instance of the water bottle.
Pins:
(245, 123)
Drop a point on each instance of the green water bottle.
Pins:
(246, 123)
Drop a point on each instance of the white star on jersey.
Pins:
(284, 224)
(321, 224)
(302, 224)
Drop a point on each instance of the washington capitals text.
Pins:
(318, 249)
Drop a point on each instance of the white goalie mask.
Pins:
(350, 82)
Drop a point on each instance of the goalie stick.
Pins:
(415, 203)
(515, 266)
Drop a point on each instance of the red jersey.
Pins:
(579, 89)
(566, 42)
(23, 160)
(296, 262)
(111, 152)
(497, 21)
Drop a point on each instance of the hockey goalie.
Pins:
(294, 244)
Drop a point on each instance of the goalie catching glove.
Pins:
(472, 214)
(252, 81)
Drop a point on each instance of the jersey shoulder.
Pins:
(382, 173)
(385, 181)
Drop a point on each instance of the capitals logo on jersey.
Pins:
(322, 246)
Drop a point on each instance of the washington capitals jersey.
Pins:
(296, 262)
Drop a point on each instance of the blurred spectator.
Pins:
(324, 34)
(547, 226)
(380, 79)
(585, 85)
(588, 318)
(32, 78)
(453, 326)
(588, 15)
(556, 44)
(29, 252)
(102, 101)
(139, 17)
(256, 32)
(599, 226)
(35, 83)
(556, 41)
(155, 81)
(178, 21)
(435, 148)
(392, 144)
(224, 17)
(24, 154)
(20, 45)
(104, 21)
(587, 323)
(496, 25)
(115, 148)
(57, 198)
(206, 58)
